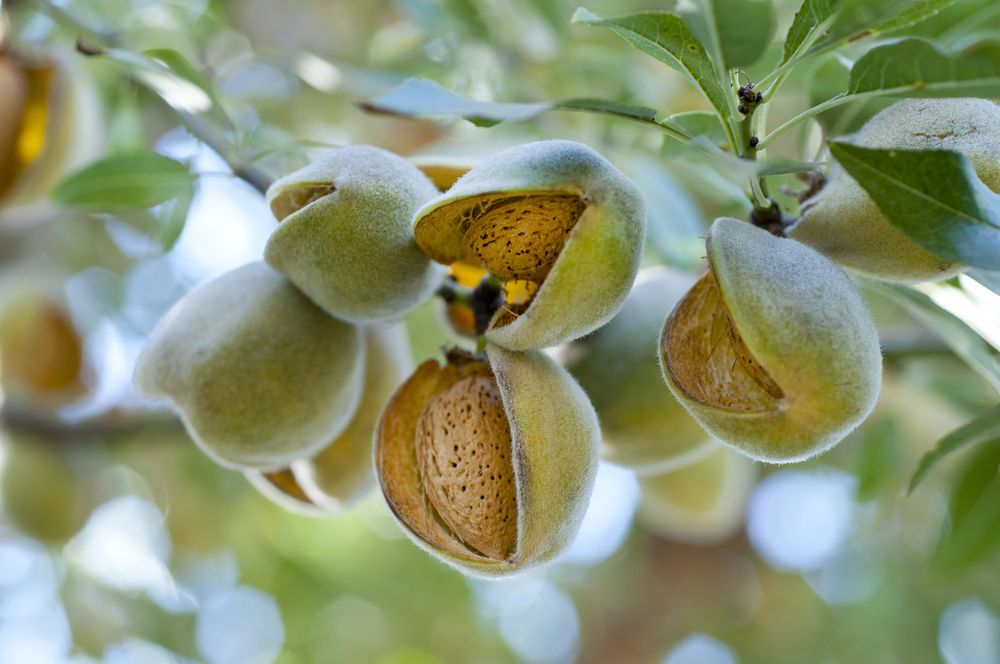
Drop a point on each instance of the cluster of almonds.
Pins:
(293, 370)
(286, 369)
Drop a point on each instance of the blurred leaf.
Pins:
(693, 124)
(974, 533)
(917, 68)
(953, 331)
(675, 225)
(126, 182)
(811, 14)
(782, 165)
(418, 96)
(180, 65)
(980, 430)
(859, 19)
(881, 453)
(667, 38)
(987, 278)
(741, 30)
(589, 105)
(934, 196)
(829, 80)
(185, 90)
(423, 97)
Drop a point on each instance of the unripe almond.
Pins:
(52, 125)
(554, 215)
(773, 351)
(642, 425)
(844, 223)
(701, 503)
(489, 463)
(283, 489)
(444, 172)
(345, 238)
(342, 473)
(259, 374)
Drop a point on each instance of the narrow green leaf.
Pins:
(629, 111)
(829, 80)
(811, 15)
(126, 182)
(860, 19)
(934, 196)
(675, 225)
(987, 278)
(974, 510)
(880, 456)
(744, 29)
(980, 430)
(965, 342)
(693, 124)
(917, 68)
(422, 97)
(669, 39)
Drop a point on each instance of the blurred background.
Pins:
(120, 542)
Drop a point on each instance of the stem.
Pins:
(833, 102)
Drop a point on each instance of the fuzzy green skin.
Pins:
(337, 478)
(259, 374)
(593, 274)
(702, 503)
(352, 251)
(555, 441)
(845, 224)
(805, 322)
(643, 427)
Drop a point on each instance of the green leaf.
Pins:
(783, 165)
(965, 342)
(974, 508)
(934, 196)
(675, 225)
(829, 80)
(917, 68)
(181, 66)
(589, 105)
(987, 278)
(422, 97)
(811, 15)
(859, 19)
(693, 124)
(669, 39)
(126, 182)
(743, 29)
(980, 430)
(880, 454)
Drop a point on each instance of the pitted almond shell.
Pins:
(554, 214)
(642, 425)
(342, 473)
(259, 374)
(773, 350)
(702, 503)
(283, 489)
(516, 432)
(844, 223)
(345, 238)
